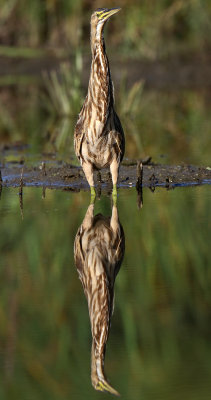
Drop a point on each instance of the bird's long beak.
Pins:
(108, 13)
(104, 386)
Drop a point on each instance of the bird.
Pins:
(99, 248)
(99, 137)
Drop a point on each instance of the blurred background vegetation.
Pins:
(146, 28)
(45, 62)
(171, 127)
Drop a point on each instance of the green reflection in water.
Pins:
(159, 345)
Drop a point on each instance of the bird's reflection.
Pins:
(99, 250)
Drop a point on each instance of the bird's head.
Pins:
(103, 14)
(99, 17)
(103, 386)
(99, 381)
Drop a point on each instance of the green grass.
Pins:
(63, 88)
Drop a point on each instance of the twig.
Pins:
(43, 192)
(99, 181)
(153, 181)
(0, 183)
(43, 168)
(21, 193)
(139, 183)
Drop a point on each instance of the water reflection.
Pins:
(99, 250)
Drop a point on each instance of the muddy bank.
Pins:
(71, 177)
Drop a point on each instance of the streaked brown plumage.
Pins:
(99, 251)
(99, 137)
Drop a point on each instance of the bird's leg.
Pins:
(88, 170)
(114, 168)
(88, 219)
(114, 223)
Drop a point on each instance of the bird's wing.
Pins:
(99, 310)
(78, 254)
(78, 139)
(120, 137)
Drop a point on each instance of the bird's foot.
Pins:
(93, 194)
(114, 194)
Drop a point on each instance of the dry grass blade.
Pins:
(63, 88)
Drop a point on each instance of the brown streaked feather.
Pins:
(98, 252)
(99, 136)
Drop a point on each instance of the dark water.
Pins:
(159, 344)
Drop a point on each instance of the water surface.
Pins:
(159, 344)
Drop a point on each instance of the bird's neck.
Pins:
(100, 60)
(97, 38)
(97, 365)
(100, 72)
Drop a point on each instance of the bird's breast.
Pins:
(95, 128)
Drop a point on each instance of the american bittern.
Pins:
(99, 137)
(99, 251)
